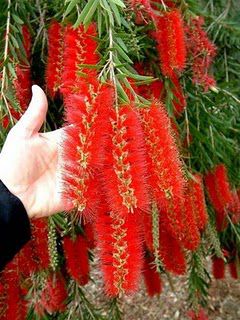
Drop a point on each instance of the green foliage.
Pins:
(198, 279)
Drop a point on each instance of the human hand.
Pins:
(29, 161)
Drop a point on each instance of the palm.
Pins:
(29, 162)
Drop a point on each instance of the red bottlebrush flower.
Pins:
(40, 242)
(27, 259)
(191, 237)
(119, 241)
(233, 269)
(87, 113)
(90, 235)
(154, 90)
(179, 100)
(219, 193)
(12, 286)
(218, 268)
(22, 83)
(54, 294)
(202, 52)
(170, 42)
(212, 191)
(200, 315)
(164, 166)
(194, 213)
(54, 67)
(79, 48)
(222, 183)
(169, 4)
(124, 173)
(76, 254)
(147, 230)
(201, 216)
(171, 252)
(142, 9)
(151, 277)
(234, 207)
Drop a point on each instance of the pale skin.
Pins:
(29, 161)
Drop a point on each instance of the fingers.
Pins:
(33, 118)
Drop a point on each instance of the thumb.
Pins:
(33, 118)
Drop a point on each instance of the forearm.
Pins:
(14, 225)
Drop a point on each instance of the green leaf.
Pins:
(118, 2)
(122, 53)
(99, 21)
(70, 6)
(17, 19)
(91, 12)
(122, 44)
(14, 41)
(87, 13)
(121, 91)
(116, 13)
(12, 70)
(105, 6)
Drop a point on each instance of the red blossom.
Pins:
(13, 301)
(22, 83)
(219, 192)
(124, 172)
(54, 66)
(194, 212)
(191, 237)
(27, 259)
(90, 235)
(234, 207)
(154, 90)
(201, 215)
(76, 254)
(170, 42)
(179, 100)
(233, 268)
(164, 166)
(142, 9)
(151, 277)
(119, 244)
(223, 186)
(147, 231)
(80, 47)
(218, 268)
(40, 242)
(87, 113)
(54, 294)
(171, 252)
(200, 315)
(202, 52)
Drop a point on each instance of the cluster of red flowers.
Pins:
(221, 196)
(151, 277)
(170, 42)
(200, 315)
(202, 52)
(76, 254)
(33, 257)
(218, 267)
(53, 296)
(119, 241)
(68, 49)
(54, 63)
(194, 212)
(22, 82)
(125, 157)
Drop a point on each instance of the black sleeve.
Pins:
(14, 225)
